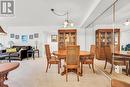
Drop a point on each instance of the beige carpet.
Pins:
(119, 76)
(31, 73)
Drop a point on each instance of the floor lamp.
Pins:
(2, 32)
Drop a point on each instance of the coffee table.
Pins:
(5, 68)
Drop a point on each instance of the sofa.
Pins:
(21, 51)
(20, 54)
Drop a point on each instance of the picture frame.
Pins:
(36, 35)
(24, 38)
(11, 35)
(16, 36)
(30, 36)
(53, 38)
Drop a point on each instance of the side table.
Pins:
(30, 52)
(36, 51)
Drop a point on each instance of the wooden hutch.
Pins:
(105, 37)
(66, 37)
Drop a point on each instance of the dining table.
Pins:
(5, 68)
(82, 54)
(125, 56)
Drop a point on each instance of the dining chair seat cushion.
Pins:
(72, 66)
(53, 60)
(119, 62)
(87, 61)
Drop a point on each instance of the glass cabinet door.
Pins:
(108, 38)
(102, 40)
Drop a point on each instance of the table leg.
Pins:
(2, 79)
(38, 54)
(81, 68)
(129, 67)
(33, 55)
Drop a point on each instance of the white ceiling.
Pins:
(122, 12)
(37, 12)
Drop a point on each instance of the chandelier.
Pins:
(67, 23)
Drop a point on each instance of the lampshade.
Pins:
(67, 24)
(2, 31)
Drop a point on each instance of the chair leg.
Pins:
(127, 70)
(89, 66)
(60, 62)
(81, 68)
(105, 64)
(47, 66)
(66, 74)
(50, 66)
(78, 74)
(93, 68)
(111, 68)
(58, 67)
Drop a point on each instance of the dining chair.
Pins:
(90, 59)
(72, 60)
(61, 57)
(114, 60)
(51, 59)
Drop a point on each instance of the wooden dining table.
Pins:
(126, 56)
(83, 54)
(5, 68)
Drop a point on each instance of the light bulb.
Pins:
(127, 22)
(72, 24)
(65, 23)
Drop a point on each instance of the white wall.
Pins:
(53, 45)
(81, 38)
(45, 36)
(90, 38)
(125, 35)
(25, 31)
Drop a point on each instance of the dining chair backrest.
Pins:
(47, 51)
(72, 57)
(92, 50)
(108, 53)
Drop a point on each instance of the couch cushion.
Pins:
(10, 50)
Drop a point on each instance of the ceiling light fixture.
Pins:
(67, 23)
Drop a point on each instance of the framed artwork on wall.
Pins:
(53, 38)
(30, 36)
(11, 35)
(36, 35)
(24, 38)
(16, 36)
